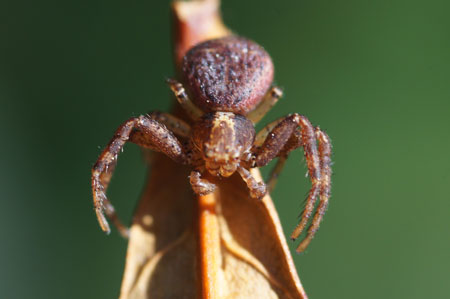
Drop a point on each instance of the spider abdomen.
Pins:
(227, 74)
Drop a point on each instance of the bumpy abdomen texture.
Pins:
(227, 74)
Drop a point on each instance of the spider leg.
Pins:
(274, 173)
(143, 131)
(283, 138)
(257, 189)
(269, 100)
(262, 135)
(180, 92)
(199, 185)
(112, 215)
(294, 142)
(174, 124)
(325, 187)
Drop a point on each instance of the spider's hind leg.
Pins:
(269, 100)
(183, 99)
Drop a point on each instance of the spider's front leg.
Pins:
(285, 135)
(199, 185)
(145, 132)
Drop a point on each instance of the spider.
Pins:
(227, 89)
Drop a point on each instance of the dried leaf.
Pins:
(223, 245)
(161, 258)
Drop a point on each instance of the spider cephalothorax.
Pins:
(224, 139)
(228, 80)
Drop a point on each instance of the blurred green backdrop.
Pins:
(373, 74)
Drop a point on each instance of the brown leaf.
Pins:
(223, 245)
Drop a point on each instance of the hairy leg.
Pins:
(189, 107)
(199, 185)
(143, 131)
(325, 187)
(112, 215)
(294, 142)
(270, 99)
(174, 124)
(262, 135)
(257, 189)
(287, 134)
(274, 174)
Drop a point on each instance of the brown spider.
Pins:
(228, 90)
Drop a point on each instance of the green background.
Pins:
(373, 74)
